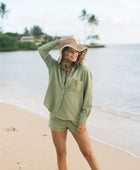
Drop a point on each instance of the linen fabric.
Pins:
(70, 101)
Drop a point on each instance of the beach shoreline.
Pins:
(42, 113)
(45, 114)
(26, 144)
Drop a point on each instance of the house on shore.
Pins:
(27, 39)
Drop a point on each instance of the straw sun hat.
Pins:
(71, 42)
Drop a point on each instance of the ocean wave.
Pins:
(27, 105)
(44, 113)
(115, 146)
(116, 112)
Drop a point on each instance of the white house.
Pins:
(27, 38)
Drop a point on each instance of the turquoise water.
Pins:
(115, 116)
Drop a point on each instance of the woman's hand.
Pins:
(81, 128)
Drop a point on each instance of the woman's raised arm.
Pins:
(44, 52)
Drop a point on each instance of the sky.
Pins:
(119, 20)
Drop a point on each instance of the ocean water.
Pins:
(115, 115)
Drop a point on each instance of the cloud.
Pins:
(119, 21)
(130, 5)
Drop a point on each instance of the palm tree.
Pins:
(84, 17)
(92, 20)
(3, 13)
(92, 37)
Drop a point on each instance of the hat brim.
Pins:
(77, 47)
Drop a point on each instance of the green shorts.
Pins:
(60, 125)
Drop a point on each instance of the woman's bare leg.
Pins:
(84, 144)
(59, 140)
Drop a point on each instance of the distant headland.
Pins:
(14, 41)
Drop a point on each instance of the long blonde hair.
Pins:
(65, 62)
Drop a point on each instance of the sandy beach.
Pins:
(25, 143)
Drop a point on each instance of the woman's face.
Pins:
(72, 54)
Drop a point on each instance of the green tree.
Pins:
(3, 13)
(27, 46)
(16, 35)
(92, 20)
(7, 43)
(84, 17)
(93, 37)
(36, 31)
(26, 32)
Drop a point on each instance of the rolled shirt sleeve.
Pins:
(87, 98)
(44, 52)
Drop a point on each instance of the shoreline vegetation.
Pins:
(13, 42)
(32, 38)
(95, 45)
(35, 37)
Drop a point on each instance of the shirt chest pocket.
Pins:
(76, 86)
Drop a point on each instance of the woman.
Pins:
(68, 98)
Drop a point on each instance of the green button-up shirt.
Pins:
(71, 100)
